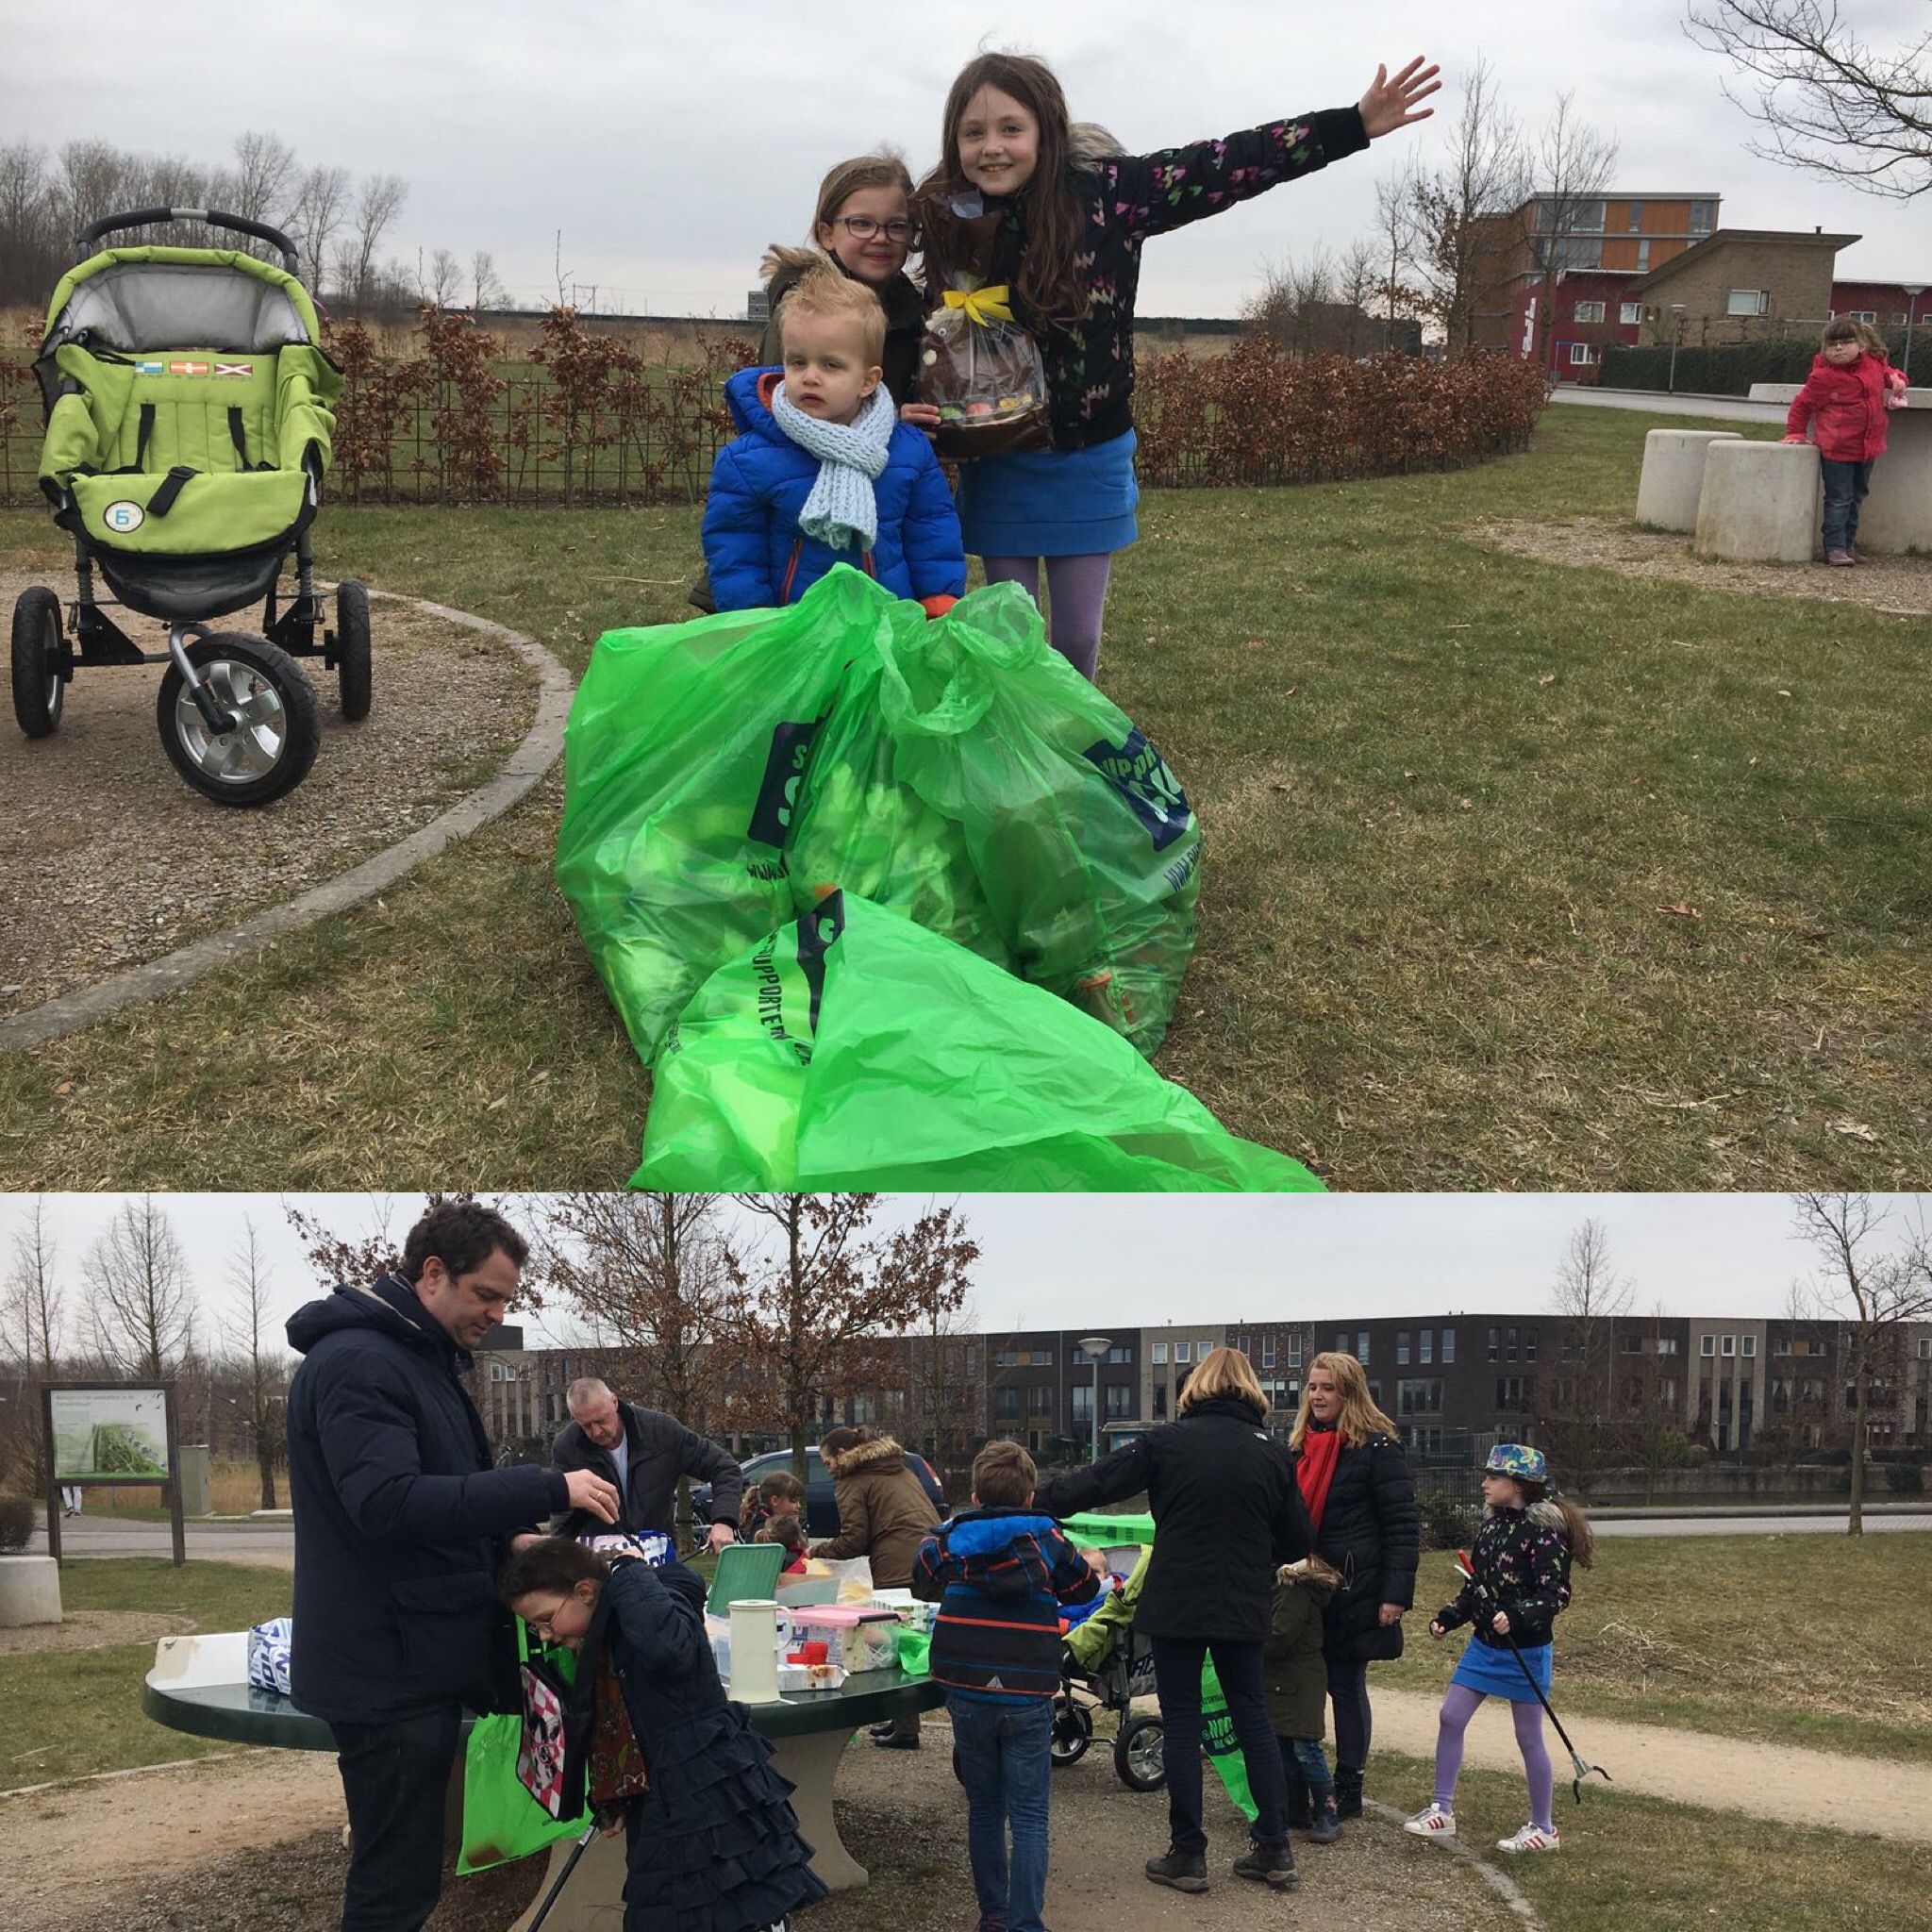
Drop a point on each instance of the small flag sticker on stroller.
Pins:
(187, 368)
(234, 368)
(150, 368)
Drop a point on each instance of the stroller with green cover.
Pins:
(188, 433)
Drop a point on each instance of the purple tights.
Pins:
(1075, 593)
(1458, 1707)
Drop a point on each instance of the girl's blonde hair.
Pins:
(1873, 343)
(1222, 1372)
(1576, 1529)
(1359, 1418)
(821, 291)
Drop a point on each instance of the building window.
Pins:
(1635, 216)
(1865, 314)
(1268, 1352)
(1748, 302)
(1628, 312)
(1402, 1349)
(1925, 1348)
(1530, 1344)
(1342, 1343)
(1703, 217)
(1184, 1351)
(1425, 1347)
(1633, 1344)
(1040, 1400)
(1748, 1346)
(1706, 1345)
(1005, 1359)
(1509, 1344)
(1900, 318)
(1120, 1356)
(1729, 1346)
(1160, 1355)
(1448, 1347)
(1422, 1396)
(1007, 1405)
(1118, 1399)
(1579, 355)
(1295, 1351)
(1589, 311)
(1509, 1391)
(1083, 1402)
(1495, 1346)
(1361, 1347)
(1667, 1344)
(1643, 256)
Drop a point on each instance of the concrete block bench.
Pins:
(29, 1591)
(1761, 503)
(1673, 476)
(1898, 514)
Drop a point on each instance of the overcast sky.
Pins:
(671, 143)
(1078, 1261)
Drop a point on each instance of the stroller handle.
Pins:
(147, 217)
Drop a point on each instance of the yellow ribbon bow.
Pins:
(982, 306)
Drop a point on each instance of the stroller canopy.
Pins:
(179, 298)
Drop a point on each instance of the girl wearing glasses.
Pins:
(863, 225)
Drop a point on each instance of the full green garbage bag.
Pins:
(1084, 843)
(682, 759)
(852, 1049)
(501, 1820)
(1218, 1740)
(858, 828)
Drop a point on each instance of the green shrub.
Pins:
(1905, 1478)
(1447, 1522)
(16, 1523)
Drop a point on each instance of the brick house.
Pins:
(1742, 284)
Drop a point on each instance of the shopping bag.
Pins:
(523, 1770)
(1083, 841)
(683, 754)
(852, 1049)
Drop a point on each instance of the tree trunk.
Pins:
(1854, 1524)
(265, 1463)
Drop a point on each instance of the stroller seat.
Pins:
(188, 422)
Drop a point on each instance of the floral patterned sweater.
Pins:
(1089, 363)
(1521, 1563)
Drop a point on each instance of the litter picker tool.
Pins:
(1485, 1596)
(569, 1865)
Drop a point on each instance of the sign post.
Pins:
(99, 1434)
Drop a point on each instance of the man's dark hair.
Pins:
(462, 1234)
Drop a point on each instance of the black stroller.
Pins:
(1123, 1671)
(189, 429)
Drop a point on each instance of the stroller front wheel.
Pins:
(352, 649)
(40, 662)
(1073, 1731)
(274, 738)
(1136, 1754)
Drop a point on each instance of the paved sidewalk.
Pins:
(1725, 409)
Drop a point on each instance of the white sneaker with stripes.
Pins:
(1531, 1837)
(1431, 1821)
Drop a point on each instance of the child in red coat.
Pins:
(1843, 404)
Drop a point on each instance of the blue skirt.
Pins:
(1496, 1673)
(1050, 501)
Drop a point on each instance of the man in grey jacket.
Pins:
(642, 1453)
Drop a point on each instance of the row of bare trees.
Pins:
(338, 224)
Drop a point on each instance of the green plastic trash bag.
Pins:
(682, 759)
(1218, 1740)
(1086, 847)
(852, 1049)
(857, 828)
(914, 1650)
(501, 1820)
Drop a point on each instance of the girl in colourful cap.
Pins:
(1517, 1579)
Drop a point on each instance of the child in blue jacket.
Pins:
(1000, 1573)
(823, 472)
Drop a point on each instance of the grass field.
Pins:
(1517, 875)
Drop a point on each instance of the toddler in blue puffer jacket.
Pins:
(823, 472)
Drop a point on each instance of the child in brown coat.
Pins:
(1295, 1687)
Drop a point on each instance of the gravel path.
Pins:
(107, 859)
(1897, 586)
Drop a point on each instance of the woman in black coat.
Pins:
(1226, 1512)
(1354, 1480)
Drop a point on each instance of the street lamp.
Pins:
(1096, 1347)
(1911, 303)
(1676, 336)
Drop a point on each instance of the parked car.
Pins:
(821, 1510)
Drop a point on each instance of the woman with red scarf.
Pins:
(1360, 1497)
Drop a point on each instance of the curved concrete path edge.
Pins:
(526, 765)
(1497, 1880)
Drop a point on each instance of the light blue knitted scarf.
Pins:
(842, 508)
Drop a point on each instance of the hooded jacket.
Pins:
(1521, 1560)
(999, 1578)
(1294, 1676)
(883, 1513)
(1372, 1533)
(1226, 1511)
(904, 305)
(1844, 408)
(756, 555)
(401, 1521)
(660, 1449)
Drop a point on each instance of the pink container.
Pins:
(854, 1637)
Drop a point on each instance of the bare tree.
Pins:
(92, 180)
(1589, 1297)
(377, 207)
(1872, 1290)
(33, 1295)
(264, 1365)
(264, 178)
(1574, 167)
(1828, 102)
(1394, 241)
(443, 282)
(142, 1303)
(1358, 281)
(1466, 223)
(320, 204)
(486, 291)
(813, 1318)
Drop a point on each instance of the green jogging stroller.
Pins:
(188, 433)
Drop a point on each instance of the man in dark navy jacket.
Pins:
(401, 1526)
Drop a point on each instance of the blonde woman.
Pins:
(1360, 1497)
(1227, 1513)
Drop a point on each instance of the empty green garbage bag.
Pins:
(1082, 838)
(849, 1048)
(683, 755)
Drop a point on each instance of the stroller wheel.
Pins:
(1073, 1731)
(1137, 1755)
(273, 741)
(40, 662)
(352, 649)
